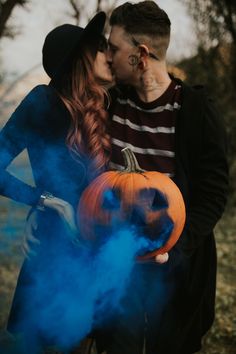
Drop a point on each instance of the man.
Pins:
(174, 129)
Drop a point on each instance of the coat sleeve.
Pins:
(14, 138)
(208, 185)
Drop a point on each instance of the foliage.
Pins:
(214, 65)
(214, 19)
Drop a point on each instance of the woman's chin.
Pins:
(106, 81)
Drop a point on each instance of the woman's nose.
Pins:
(108, 56)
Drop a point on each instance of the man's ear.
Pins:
(143, 50)
(144, 54)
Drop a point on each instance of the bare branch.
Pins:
(98, 5)
(77, 9)
(17, 80)
(6, 8)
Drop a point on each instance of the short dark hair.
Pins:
(145, 19)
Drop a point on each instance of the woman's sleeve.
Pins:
(14, 138)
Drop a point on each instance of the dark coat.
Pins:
(190, 274)
(202, 176)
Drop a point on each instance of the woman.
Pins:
(63, 127)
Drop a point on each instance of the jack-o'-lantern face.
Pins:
(148, 200)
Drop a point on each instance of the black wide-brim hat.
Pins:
(67, 40)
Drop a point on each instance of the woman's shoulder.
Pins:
(39, 95)
(42, 101)
(36, 107)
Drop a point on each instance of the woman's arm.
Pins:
(19, 133)
(14, 138)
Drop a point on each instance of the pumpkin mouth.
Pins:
(148, 216)
(153, 235)
(150, 235)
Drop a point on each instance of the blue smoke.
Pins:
(73, 288)
(79, 290)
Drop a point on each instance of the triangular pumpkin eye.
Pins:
(111, 199)
(159, 201)
(147, 194)
(154, 198)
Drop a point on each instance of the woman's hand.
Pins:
(67, 214)
(29, 239)
(64, 209)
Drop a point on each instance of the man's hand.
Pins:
(162, 258)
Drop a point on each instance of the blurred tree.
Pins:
(79, 7)
(214, 65)
(215, 22)
(6, 8)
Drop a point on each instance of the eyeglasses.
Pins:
(102, 45)
(136, 44)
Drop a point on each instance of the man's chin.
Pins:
(120, 81)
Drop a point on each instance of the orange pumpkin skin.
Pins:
(129, 184)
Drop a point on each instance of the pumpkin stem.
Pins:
(131, 163)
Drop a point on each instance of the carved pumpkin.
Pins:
(147, 199)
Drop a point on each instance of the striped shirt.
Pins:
(148, 128)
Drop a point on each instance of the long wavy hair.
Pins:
(85, 99)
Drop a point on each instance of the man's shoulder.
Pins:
(190, 90)
(195, 100)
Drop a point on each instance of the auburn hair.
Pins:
(85, 99)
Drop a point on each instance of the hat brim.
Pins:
(93, 29)
(95, 26)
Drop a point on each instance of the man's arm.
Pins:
(208, 184)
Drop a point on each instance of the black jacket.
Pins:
(202, 175)
(202, 170)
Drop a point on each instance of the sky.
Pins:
(40, 16)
